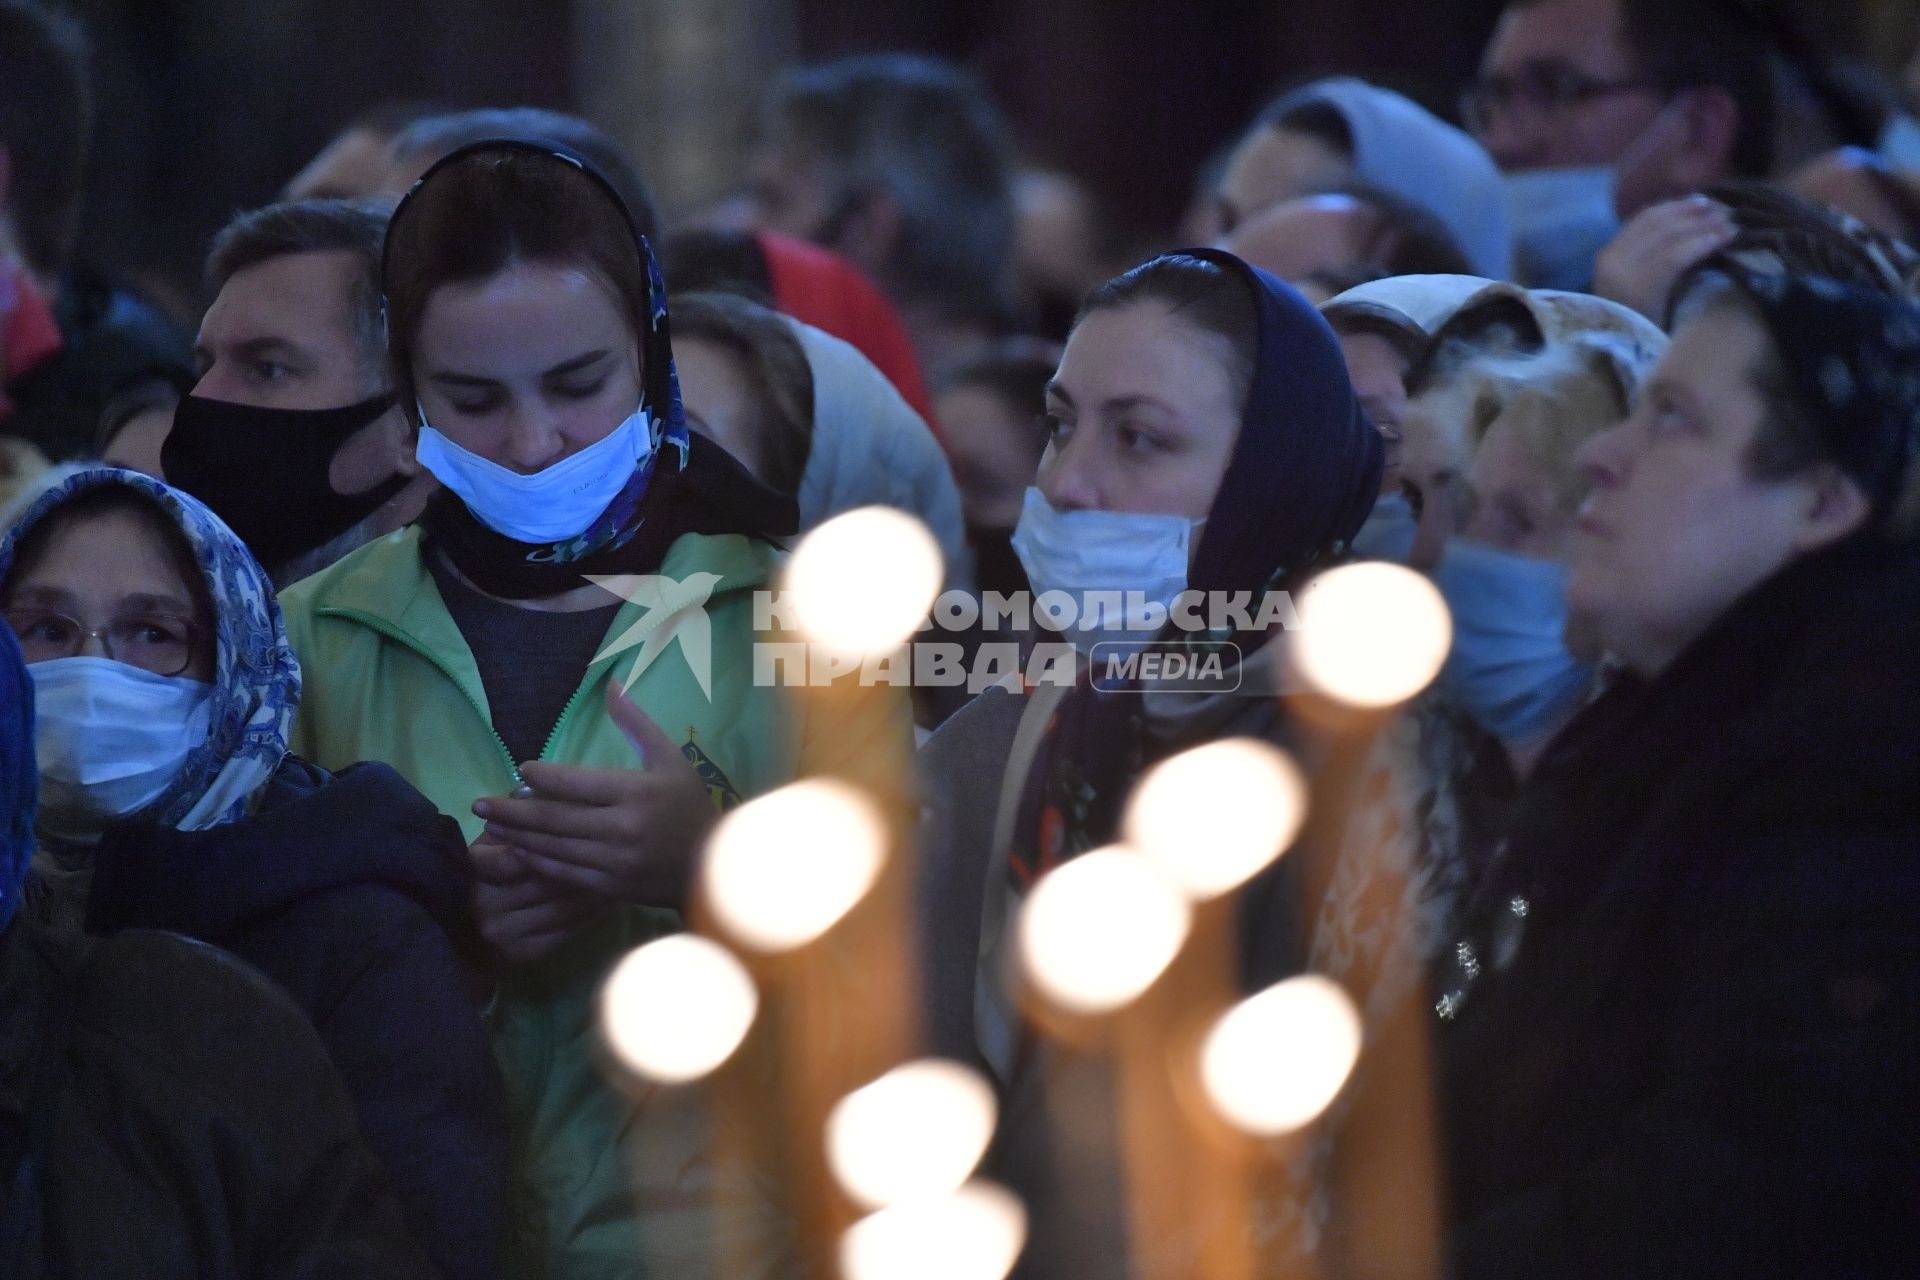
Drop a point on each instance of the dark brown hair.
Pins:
(494, 207)
(315, 226)
(1202, 293)
(776, 367)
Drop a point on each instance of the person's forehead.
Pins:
(1585, 34)
(305, 296)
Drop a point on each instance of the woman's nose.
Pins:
(533, 439)
(1067, 478)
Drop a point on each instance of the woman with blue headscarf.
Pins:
(163, 1112)
(164, 687)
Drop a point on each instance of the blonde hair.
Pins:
(1555, 400)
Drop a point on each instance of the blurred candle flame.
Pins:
(1097, 931)
(973, 1233)
(783, 869)
(1209, 846)
(918, 1131)
(677, 1008)
(862, 582)
(1371, 634)
(1276, 1060)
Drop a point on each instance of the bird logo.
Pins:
(675, 609)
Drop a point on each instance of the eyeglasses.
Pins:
(1539, 94)
(162, 644)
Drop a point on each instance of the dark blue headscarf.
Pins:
(19, 775)
(1302, 434)
(1303, 477)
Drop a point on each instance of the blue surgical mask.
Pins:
(1107, 552)
(1900, 142)
(1562, 219)
(1509, 668)
(1389, 531)
(551, 505)
(111, 739)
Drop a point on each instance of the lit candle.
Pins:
(972, 1233)
(1371, 637)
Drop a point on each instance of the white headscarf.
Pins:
(870, 447)
(1400, 146)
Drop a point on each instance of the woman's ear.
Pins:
(1837, 507)
(403, 434)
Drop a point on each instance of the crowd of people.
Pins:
(331, 791)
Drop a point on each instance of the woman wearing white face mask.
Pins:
(481, 656)
(164, 687)
(1205, 437)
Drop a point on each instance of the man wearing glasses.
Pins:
(1597, 109)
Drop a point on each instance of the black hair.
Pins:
(1318, 119)
(436, 137)
(1407, 239)
(706, 260)
(1015, 371)
(1205, 294)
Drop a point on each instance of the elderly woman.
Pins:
(1681, 1035)
(167, 1113)
(164, 687)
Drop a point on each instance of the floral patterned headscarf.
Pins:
(1852, 362)
(256, 680)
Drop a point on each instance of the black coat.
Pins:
(351, 892)
(167, 1114)
(112, 341)
(1698, 1052)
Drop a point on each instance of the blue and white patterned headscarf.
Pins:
(256, 679)
(19, 775)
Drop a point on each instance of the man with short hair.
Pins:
(900, 163)
(72, 342)
(292, 434)
(1597, 109)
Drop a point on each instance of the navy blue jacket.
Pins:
(351, 892)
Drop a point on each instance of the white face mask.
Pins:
(1115, 553)
(110, 739)
(552, 505)
(1562, 219)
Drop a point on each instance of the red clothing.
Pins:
(29, 334)
(823, 289)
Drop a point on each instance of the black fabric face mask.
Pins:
(264, 471)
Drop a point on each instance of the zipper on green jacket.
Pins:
(394, 633)
(648, 625)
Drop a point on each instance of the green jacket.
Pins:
(607, 1184)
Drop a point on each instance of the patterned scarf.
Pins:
(256, 680)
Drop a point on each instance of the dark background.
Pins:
(208, 106)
